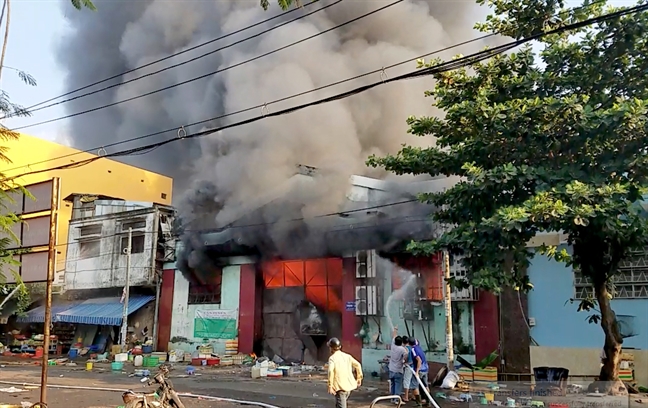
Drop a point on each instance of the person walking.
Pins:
(341, 379)
(397, 359)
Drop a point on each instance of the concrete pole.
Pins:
(448, 312)
(124, 327)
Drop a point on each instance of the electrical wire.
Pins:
(31, 110)
(435, 69)
(260, 106)
(227, 68)
(195, 47)
(376, 71)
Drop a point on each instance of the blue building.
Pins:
(562, 336)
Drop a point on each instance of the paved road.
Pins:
(283, 392)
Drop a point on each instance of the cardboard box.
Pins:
(488, 374)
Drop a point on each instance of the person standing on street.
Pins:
(397, 359)
(341, 380)
(420, 366)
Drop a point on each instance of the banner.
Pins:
(215, 324)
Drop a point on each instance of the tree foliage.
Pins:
(79, 4)
(550, 142)
(284, 4)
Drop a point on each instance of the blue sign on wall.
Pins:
(350, 306)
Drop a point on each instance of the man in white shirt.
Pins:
(341, 380)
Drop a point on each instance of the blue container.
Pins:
(147, 349)
(73, 353)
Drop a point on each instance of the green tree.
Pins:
(284, 4)
(549, 142)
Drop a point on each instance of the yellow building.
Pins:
(101, 177)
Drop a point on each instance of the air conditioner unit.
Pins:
(365, 265)
(366, 300)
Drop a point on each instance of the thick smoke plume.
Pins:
(218, 175)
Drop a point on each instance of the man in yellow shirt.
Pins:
(341, 380)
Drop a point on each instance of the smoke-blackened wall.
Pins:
(224, 171)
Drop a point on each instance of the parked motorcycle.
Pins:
(164, 397)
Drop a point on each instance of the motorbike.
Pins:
(164, 397)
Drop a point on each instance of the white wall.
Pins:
(182, 324)
(109, 268)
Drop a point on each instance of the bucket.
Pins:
(117, 365)
(147, 349)
(89, 366)
(73, 353)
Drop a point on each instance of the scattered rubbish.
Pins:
(537, 404)
(510, 402)
(25, 404)
(191, 370)
(640, 401)
(440, 395)
(455, 399)
(595, 394)
(451, 379)
(496, 403)
(11, 390)
(315, 395)
(466, 397)
(483, 401)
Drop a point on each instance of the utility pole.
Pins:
(51, 267)
(124, 327)
(448, 311)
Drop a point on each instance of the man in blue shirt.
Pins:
(420, 366)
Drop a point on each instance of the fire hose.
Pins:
(188, 395)
(425, 390)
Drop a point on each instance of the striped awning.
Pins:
(102, 311)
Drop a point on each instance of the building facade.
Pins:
(290, 305)
(562, 336)
(106, 177)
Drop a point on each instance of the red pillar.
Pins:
(351, 343)
(165, 310)
(248, 300)
(487, 330)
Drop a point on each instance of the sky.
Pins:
(36, 27)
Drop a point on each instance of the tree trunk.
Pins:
(609, 376)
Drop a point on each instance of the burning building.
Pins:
(329, 275)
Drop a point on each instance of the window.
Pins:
(630, 283)
(90, 230)
(137, 244)
(89, 249)
(138, 224)
(207, 292)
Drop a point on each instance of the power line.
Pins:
(174, 55)
(261, 224)
(264, 105)
(180, 63)
(179, 129)
(435, 69)
(166, 88)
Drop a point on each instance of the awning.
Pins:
(37, 315)
(102, 311)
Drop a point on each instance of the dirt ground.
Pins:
(226, 382)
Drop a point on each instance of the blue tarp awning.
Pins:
(37, 315)
(102, 311)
